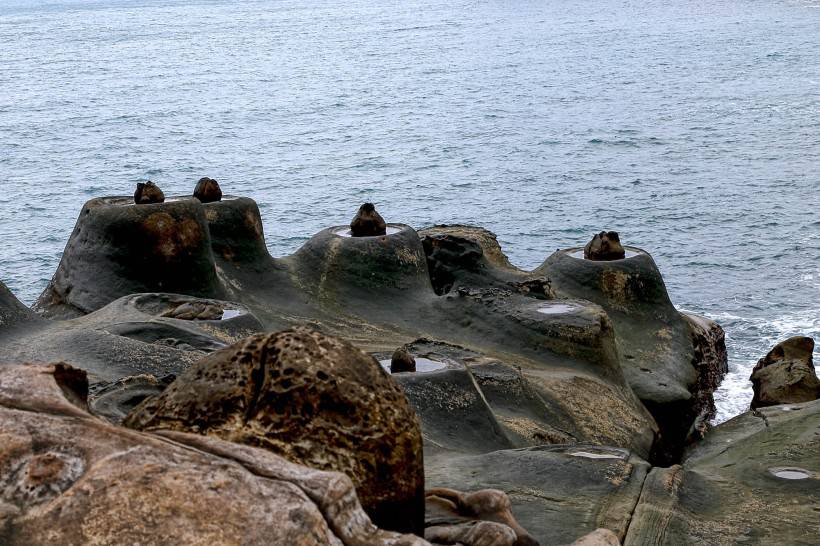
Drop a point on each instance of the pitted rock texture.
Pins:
(786, 375)
(367, 222)
(313, 399)
(69, 478)
(207, 190)
(604, 246)
(147, 193)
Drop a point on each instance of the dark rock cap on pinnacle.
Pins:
(604, 246)
(207, 190)
(367, 222)
(148, 193)
(402, 361)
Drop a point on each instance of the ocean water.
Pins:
(691, 127)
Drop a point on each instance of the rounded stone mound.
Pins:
(313, 399)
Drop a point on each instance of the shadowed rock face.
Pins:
(604, 246)
(312, 399)
(69, 478)
(367, 222)
(786, 375)
(148, 193)
(207, 190)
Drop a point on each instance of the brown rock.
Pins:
(313, 399)
(69, 478)
(786, 375)
(207, 190)
(598, 537)
(367, 222)
(451, 513)
(147, 193)
(402, 361)
(604, 246)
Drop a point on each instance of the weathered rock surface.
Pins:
(118, 249)
(312, 399)
(786, 375)
(598, 537)
(148, 193)
(753, 480)
(604, 246)
(207, 190)
(672, 363)
(367, 222)
(69, 478)
(558, 493)
(457, 516)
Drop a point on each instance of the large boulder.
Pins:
(12, 310)
(753, 480)
(313, 399)
(786, 375)
(69, 478)
(368, 222)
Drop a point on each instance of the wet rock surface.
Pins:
(312, 399)
(367, 222)
(69, 478)
(786, 375)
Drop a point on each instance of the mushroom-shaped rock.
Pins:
(402, 361)
(604, 246)
(786, 375)
(117, 249)
(147, 193)
(207, 190)
(313, 399)
(367, 222)
(70, 478)
(452, 512)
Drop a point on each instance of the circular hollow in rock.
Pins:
(345, 232)
(558, 308)
(590, 455)
(423, 365)
(628, 251)
(790, 473)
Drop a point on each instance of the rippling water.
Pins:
(691, 127)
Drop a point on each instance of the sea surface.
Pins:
(691, 127)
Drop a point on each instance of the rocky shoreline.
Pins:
(175, 376)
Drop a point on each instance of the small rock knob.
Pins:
(604, 246)
(367, 222)
(148, 193)
(207, 190)
(402, 361)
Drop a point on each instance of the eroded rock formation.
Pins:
(367, 222)
(402, 361)
(604, 246)
(314, 400)
(207, 190)
(786, 375)
(70, 478)
(148, 193)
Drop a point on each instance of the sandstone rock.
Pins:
(148, 193)
(598, 537)
(313, 399)
(786, 375)
(752, 480)
(207, 190)
(402, 361)
(454, 514)
(69, 478)
(604, 246)
(367, 222)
